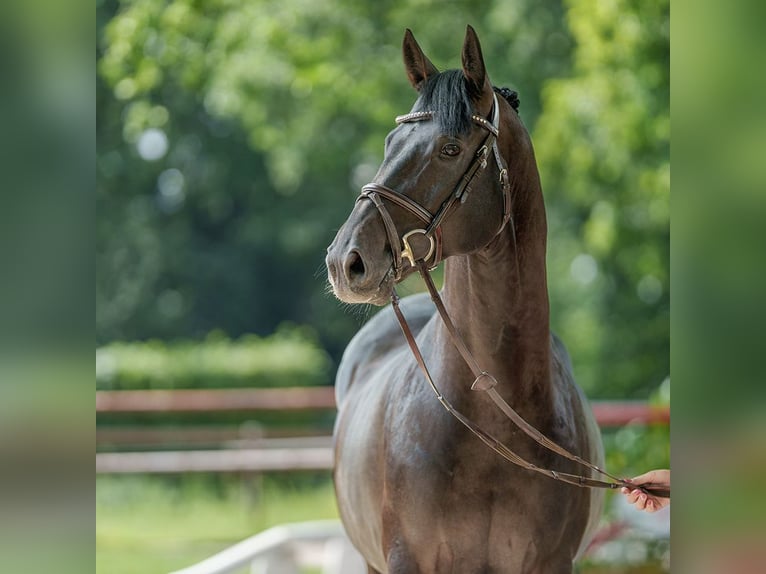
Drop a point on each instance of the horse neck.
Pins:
(498, 296)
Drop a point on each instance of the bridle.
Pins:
(402, 247)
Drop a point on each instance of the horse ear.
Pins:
(473, 65)
(418, 67)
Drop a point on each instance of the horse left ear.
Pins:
(419, 68)
(473, 66)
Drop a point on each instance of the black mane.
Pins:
(447, 95)
(510, 96)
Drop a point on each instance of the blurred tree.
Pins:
(603, 144)
(234, 136)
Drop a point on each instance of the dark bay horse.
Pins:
(417, 492)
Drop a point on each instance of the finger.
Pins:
(642, 478)
(641, 502)
(651, 506)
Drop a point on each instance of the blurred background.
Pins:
(232, 140)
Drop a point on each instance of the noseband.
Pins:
(402, 247)
(484, 381)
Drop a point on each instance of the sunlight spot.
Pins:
(152, 144)
(583, 269)
(170, 187)
(125, 89)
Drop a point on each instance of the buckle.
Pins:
(482, 155)
(483, 382)
(407, 249)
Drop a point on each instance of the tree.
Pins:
(233, 139)
(603, 144)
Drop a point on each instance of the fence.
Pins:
(285, 549)
(245, 449)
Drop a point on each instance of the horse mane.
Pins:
(447, 94)
(510, 96)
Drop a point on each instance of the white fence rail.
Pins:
(285, 549)
(233, 460)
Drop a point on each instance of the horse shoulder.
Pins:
(379, 337)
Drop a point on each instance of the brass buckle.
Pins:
(482, 156)
(407, 250)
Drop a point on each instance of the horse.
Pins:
(417, 492)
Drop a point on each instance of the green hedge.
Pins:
(290, 357)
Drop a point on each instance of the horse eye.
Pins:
(451, 149)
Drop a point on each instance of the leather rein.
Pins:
(431, 249)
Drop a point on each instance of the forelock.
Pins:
(446, 95)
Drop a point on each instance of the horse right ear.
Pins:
(418, 67)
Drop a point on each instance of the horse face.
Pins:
(425, 161)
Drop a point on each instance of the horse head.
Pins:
(442, 188)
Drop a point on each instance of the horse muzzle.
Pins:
(356, 276)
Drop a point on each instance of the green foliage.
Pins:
(234, 136)
(288, 358)
(300, 73)
(266, 118)
(603, 147)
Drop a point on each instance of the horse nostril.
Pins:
(354, 265)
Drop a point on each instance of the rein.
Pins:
(483, 381)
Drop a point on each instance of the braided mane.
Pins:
(510, 96)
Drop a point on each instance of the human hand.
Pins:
(642, 500)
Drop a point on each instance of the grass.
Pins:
(158, 524)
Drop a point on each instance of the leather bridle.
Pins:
(483, 381)
(402, 246)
